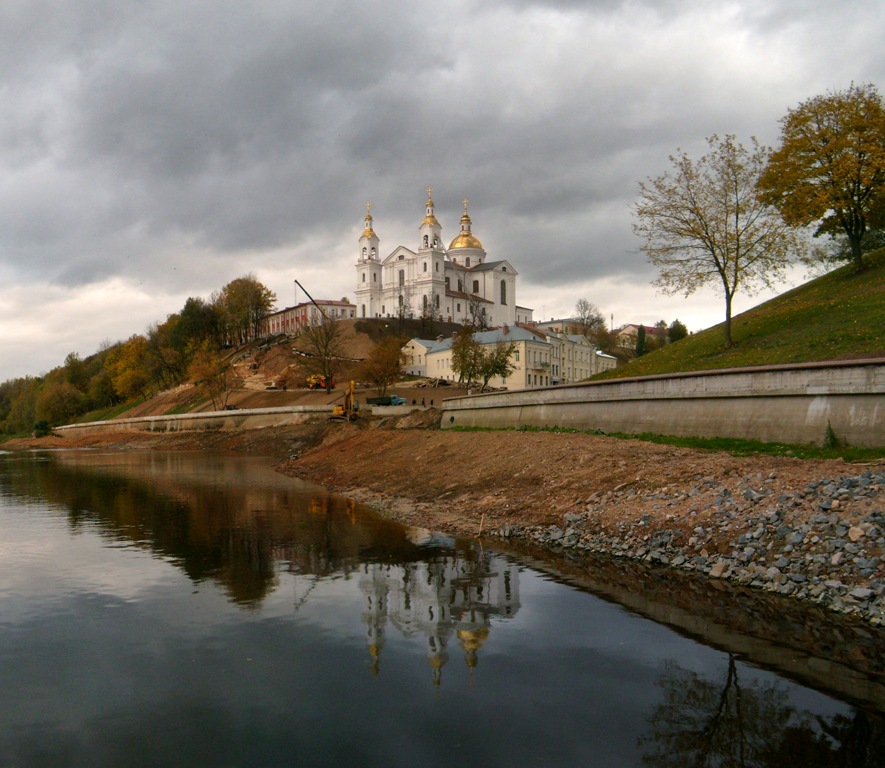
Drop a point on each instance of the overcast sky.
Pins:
(153, 150)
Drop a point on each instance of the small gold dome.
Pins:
(465, 240)
(431, 220)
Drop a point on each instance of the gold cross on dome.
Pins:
(369, 208)
(465, 201)
(429, 193)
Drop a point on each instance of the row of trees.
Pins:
(737, 218)
(188, 343)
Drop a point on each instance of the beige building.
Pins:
(540, 359)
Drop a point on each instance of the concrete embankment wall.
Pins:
(253, 418)
(786, 403)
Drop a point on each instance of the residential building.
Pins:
(539, 358)
(292, 319)
(456, 284)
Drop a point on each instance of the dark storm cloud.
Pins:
(175, 145)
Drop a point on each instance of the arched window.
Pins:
(373, 251)
(364, 253)
(503, 292)
(476, 286)
(425, 266)
(401, 300)
(436, 300)
(424, 301)
(467, 262)
(426, 241)
(402, 277)
(460, 286)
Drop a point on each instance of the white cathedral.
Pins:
(455, 284)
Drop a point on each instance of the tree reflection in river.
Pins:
(704, 723)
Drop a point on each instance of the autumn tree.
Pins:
(323, 342)
(59, 402)
(466, 354)
(496, 360)
(213, 373)
(588, 320)
(242, 304)
(703, 224)
(830, 167)
(385, 364)
(128, 369)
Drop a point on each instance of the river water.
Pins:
(166, 609)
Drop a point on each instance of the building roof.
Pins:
(511, 333)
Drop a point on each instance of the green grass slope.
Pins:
(839, 316)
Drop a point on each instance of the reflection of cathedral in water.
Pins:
(445, 598)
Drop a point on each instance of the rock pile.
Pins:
(824, 542)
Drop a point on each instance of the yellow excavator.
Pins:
(348, 409)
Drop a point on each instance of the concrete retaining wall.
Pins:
(253, 418)
(789, 403)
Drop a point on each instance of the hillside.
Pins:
(838, 316)
(273, 374)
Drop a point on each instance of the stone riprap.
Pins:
(824, 543)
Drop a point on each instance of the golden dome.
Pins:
(368, 231)
(431, 220)
(465, 240)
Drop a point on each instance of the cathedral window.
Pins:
(459, 307)
(436, 300)
(476, 286)
(402, 257)
(425, 266)
(467, 262)
(437, 266)
(364, 277)
(374, 278)
(503, 292)
(448, 280)
(373, 252)
(426, 241)
(364, 253)
(402, 277)
(424, 301)
(460, 286)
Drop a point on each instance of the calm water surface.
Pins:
(183, 609)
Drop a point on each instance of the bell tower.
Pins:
(368, 270)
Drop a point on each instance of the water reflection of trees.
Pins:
(236, 535)
(705, 723)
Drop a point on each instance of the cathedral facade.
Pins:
(456, 284)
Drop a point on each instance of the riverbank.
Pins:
(813, 530)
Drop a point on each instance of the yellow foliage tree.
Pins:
(830, 167)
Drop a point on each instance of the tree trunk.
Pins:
(856, 253)
(728, 340)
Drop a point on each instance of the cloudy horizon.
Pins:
(157, 150)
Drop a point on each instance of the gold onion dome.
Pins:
(430, 218)
(368, 231)
(465, 238)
